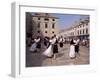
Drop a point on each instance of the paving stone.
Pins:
(34, 59)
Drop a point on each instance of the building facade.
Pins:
(28, 24)
(80, 29)
(44, 24)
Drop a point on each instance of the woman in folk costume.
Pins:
(46, 42)
(61, 42)
(38, 42)
(33, 46)
(72, 50)
(48, 52)
(55, 46)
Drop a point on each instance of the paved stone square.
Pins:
(38, 59)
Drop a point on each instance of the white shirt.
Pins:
(76, 41)
(60, 40)
(37, 40)
(53, 41)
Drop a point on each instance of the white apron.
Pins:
(48, 52)
(33, 47)
(72, 51)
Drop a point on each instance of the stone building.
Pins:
(28, 24)
(44, 24)
(79, 29)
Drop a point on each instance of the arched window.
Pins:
(46, 32)
(53, 25)
(46, 25)
(38, 31)
(83, 31)
(53, 32)
(39, 25)
(53, 19)
(86, 31)
(80, 32)
(38, 18)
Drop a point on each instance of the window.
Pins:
(52, 31)
(38, 25)
(46, 19)
(53, 25)
(53, 19)
(83, 25)
(38, 31)
(80, 32)
(73, 33)
(83, 31)
(86, 31)
(86, 24)
(45, 31)
(46, 25)
(38, 18)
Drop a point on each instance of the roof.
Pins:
(46, 15)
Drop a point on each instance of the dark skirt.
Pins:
(61, 44)
(55, 48)
(77, 48)
(45, 43)
(38, 45)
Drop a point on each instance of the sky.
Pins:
(66, 20)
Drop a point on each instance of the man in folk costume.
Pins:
(77, 45)
(46, 42)
(61, 41)
(38, 43)
(55, 46)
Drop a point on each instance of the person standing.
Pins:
(48, 52)
(77, 45)
(33, 46)
(46, 42)
(61, 42)
(54, 46)
(72, 50)
(38, 43)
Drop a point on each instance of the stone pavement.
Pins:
(38, 59)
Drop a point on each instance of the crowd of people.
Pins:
(85, 42)
(51, 45)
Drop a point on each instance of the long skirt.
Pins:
(48, 52)
(45, 43)
(61, 44)
(72, 51)
(38, 45)
(55, 49)
(33, 47)
(77, 48)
